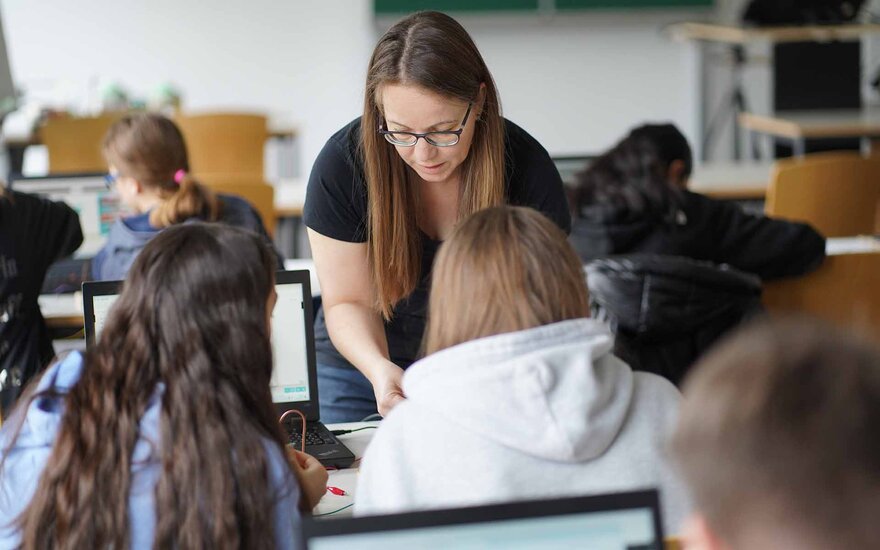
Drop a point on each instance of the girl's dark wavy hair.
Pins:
(630, 181)
(192, 317)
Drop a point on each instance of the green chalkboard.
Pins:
(406, 6)
(627, 4)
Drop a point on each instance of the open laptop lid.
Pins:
(97, 207)
(294, 382)
(623, 521)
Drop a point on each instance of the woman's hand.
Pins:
(312, 478)
(387, 387)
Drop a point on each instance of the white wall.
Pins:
(575, 82)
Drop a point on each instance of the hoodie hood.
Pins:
(553, 392)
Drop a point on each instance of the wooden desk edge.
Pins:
(730, 34)
(755, 192)
(64, 321)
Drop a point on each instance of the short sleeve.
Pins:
(534, 180)
(336, 197)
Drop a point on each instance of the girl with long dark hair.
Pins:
(163, 435)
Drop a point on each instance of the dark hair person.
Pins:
(777, 440)
(163, 435)
(388, 188)
(634, 199)
(149, 169)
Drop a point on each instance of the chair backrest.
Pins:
(224, 143)
(74, 143)
(837, 193)
(842, 291)
(260, 194)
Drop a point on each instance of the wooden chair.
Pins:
(74, 143)
(254, 190)
(225, 143)
(842, 291)
(837, 193)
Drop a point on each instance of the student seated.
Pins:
(164, 434)
(519, 396)
(149, 169)
(634, 198)
(34, 232)
(777, 440)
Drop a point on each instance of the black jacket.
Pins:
(666, 311)
(703, 229)
(34, 232)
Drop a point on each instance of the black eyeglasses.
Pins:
(446, 138)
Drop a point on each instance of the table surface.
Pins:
(815, 124)
(290, 196)
(735, 34)
(341, 506)
(731, 180)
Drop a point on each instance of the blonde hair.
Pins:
(433, 51)
(151, 149)
(504, 269)
(777, 433)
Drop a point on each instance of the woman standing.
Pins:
(388, 188)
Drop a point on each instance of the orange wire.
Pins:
(302, 441)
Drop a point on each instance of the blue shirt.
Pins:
(27, 458)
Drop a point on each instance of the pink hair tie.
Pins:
(179, 175)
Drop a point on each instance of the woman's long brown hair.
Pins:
(433, 51)
(192, 320)
(150, 148)
(503, 269)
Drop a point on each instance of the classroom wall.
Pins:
(577, 82)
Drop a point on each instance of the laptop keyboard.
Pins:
(315, 435)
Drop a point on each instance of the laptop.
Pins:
(622, 521)
(97, 207)
(294, 383)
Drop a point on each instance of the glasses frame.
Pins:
(110, 180)
(427, 135)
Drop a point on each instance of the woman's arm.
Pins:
(355, 327)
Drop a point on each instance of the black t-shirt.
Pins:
(34, 232)
(336, 207)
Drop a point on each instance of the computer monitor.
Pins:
(623, 521)
(87, 194)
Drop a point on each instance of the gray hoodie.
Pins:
(541, 413)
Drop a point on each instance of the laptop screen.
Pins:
(629, 521)
(290, 373)
(97, 207)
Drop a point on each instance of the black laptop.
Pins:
(294, 377)
(621, 521)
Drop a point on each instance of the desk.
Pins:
(340, 506)
(733, 34)
(736, 39)
(62, 311)
(798, 126)
(731, 181)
